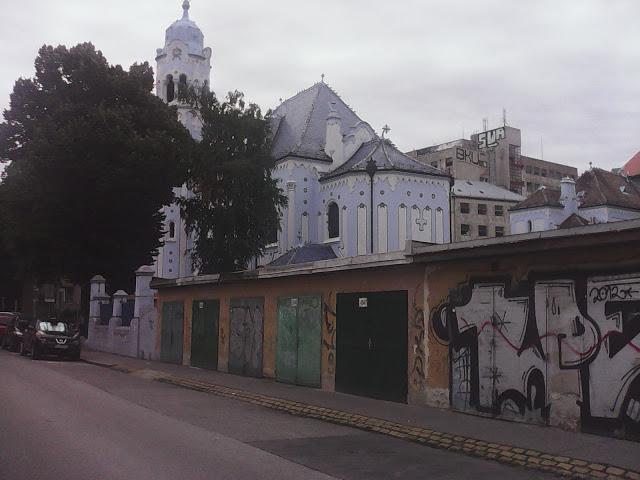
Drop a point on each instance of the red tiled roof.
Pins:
(598, 187)
(543, 197)
(632, 167)
(574, 220)
(601, 187)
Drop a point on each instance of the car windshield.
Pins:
(48, 326)
(22, 324)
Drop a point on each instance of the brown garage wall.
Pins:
(328, 285)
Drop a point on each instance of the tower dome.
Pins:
(183, 61)
(186, 31)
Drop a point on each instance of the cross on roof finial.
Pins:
(385, 130)
(590, 165)
(322, 76)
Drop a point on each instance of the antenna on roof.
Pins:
(541, 150)
(485, 123)
(504, 117)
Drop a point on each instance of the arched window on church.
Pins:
(172, 230)
(333, 220)
(182, 85)
(171, 94)
(529, 226)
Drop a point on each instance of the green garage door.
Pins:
(299, 337)
(172, 329)
(204, 334)
(371, 344)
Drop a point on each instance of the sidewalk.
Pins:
(574, 455)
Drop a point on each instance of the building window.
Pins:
(543, 172)
(499, 231)
(464, 208)
(482, 230)
(528, 169)
(434, 164)
(272, 234)
(172, 230)
(464, 229)
(529, 226)
(170, 89)
(182, 84)
(482, 209)
(536, 171)
(333, 220)
(499, 210)
(448, 161)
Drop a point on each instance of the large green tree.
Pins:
(93, 157)
(234, 209)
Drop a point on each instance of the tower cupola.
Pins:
(183, 61)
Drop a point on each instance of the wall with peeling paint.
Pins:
(549, 337)
(328, 286)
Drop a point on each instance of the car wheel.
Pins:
(34, 353)
(75, 356)
(13, 346)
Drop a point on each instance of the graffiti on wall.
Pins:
(468, 156)
(417, 374)
(329, 337)
(508, 344)
(490, 138)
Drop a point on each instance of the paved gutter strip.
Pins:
(566, 467)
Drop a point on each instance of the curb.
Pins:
(565, 467)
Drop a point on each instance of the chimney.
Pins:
(568, 196)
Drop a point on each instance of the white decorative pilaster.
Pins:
(291, 214)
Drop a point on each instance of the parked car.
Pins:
(50, 337)
(15, 329)
(5, 318)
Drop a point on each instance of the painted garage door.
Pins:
(204, 334)
(172, 332)
(371, 344)
(245, 336)
(299, 338)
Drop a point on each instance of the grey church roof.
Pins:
(309, 252)
(299, 124)
(387, 158)
(484, 190)
(186, 31)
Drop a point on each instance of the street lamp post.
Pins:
(371, 170)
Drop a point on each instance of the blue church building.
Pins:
(350, 191)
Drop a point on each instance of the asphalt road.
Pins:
(70, 420)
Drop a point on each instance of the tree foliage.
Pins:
(94, 156)
(234, 209)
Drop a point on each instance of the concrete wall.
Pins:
(136, 340)
(328, 285)
(546, 337)
(536, 328)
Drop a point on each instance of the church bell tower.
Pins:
(183, 62)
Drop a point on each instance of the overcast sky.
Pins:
(567, 71)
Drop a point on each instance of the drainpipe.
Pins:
(371, 170)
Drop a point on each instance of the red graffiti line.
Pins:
(581, 354)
